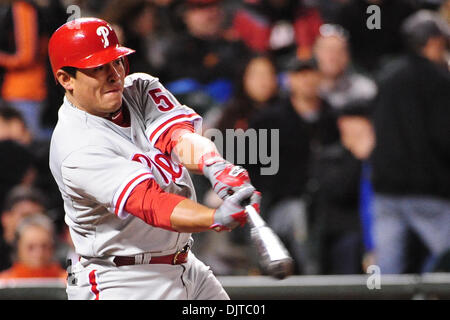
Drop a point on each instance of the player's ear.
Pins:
(64, 79)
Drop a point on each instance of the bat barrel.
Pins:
(275, 259)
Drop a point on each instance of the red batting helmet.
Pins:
(84, 43)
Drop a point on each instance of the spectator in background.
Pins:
(16, 159)
(356, 131)
(23, 159)
(23, 58)
(358, 137)
(25, 163)
(336, 199)
(137, 20)
(19, 203)
(281, 27)
(257, 89)
(411, 159)
(371, 47)
(202, 62)
(305, 124)
(351, 95)
(34, 248)
(13, 126)
(341, 86)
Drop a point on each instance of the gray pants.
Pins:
(104, 281)
(396, 216)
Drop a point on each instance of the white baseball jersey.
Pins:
(97, 163)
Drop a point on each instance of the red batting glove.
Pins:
(225, 177)
(232, 211)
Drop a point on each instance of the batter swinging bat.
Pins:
(275, 259)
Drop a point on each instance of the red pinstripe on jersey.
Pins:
(94, 285)
(165, 125)
(127, 190)
(166, 142)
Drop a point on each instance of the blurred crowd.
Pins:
(362, 112)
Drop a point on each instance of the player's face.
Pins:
(98, 90)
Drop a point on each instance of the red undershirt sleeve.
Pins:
(150, 203)
(165, 142)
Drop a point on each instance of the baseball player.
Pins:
(120, 154)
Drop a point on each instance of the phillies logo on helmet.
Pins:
(104, 32)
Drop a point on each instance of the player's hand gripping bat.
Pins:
(274, 258)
